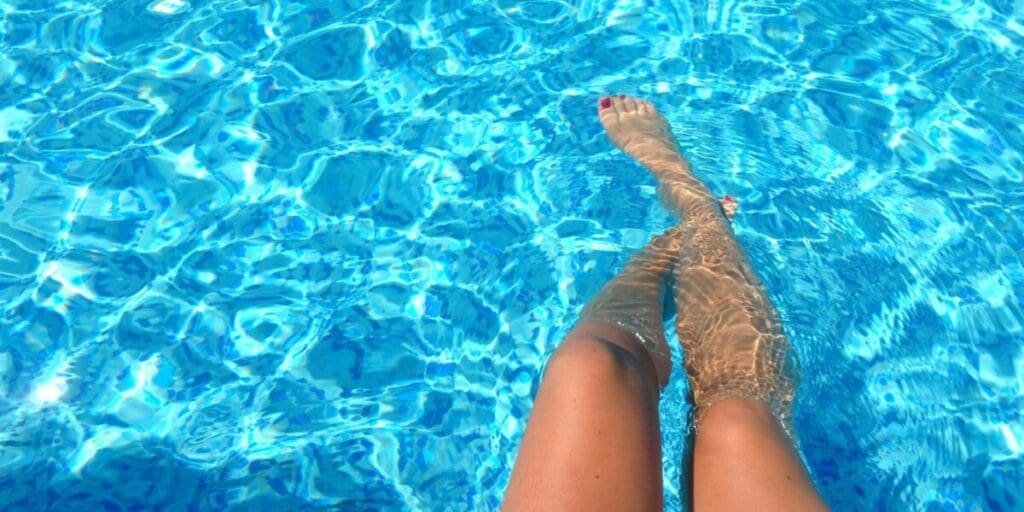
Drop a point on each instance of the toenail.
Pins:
(622, 96)
(606, 102)
(728, 198)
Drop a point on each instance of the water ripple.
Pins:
(311, 255)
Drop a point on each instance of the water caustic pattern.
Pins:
(268, 255)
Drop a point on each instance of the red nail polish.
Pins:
(606, 102)
(622, 96)
(728, 198)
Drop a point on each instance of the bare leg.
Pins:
(593, 440)
(742, 456)
(633, 299)
(735, 350)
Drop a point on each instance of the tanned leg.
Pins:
(735, 352)
(593, 440)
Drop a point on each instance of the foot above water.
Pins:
(639, 130)
(636, 127)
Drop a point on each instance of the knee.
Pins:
(736, 422)
(588, 357)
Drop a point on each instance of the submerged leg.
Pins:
(735, 350)
(593, 440)
(633, 300)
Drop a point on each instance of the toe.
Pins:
(646, 107)
(729, 206)
(618, 103)
(631, 104)
(606, 109)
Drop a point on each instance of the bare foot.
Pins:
(729, 206)
(636, 127)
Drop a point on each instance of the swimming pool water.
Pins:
(284, 255)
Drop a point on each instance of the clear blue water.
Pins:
(284, 255)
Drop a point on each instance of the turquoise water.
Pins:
(273, 255)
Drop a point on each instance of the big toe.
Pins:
(608, 108)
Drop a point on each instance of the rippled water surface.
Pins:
(300, 255)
